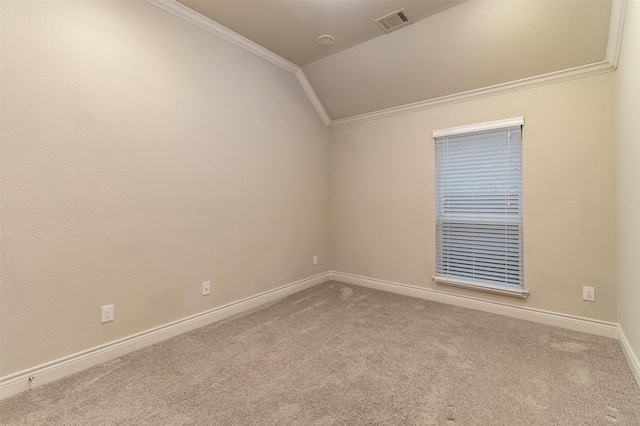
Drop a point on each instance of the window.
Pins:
(479, 207)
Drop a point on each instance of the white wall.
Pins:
(142, 155)
(627, 93)
(383, 188)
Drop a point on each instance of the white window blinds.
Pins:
(479, 207)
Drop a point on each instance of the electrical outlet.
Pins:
(206, 288)
(589, 294)
(107, 313)
(315, 259)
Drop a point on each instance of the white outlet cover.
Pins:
(315, 259)
(589, 294)
(206, 288)
(107, 314)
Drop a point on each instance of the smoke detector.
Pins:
(325, 39)
(393, 21)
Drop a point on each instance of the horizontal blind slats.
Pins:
(479, 206)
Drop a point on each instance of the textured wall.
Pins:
(382, 194)
(142, 155)
(628, 177)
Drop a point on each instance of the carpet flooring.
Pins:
(341, 354)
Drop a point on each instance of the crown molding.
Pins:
(312, 96)
(609, 64)
(202, 21)
(616, 24)
(526, 83)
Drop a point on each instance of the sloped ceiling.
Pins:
(291, 28)
(474, 45)
(456, 47)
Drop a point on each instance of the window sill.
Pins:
(485, 288)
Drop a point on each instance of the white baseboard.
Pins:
(632, 359)
(20, 381)
(585, 325)
(45, 373)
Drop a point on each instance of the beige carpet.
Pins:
(341, 354)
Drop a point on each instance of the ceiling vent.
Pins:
(393, 21)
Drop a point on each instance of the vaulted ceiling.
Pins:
(449, 47)
(291, 28)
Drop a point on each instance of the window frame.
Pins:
(490, 286)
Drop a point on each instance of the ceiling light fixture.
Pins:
(325, 39)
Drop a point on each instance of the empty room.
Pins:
(320, 212)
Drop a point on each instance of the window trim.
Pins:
(478, 127)
(501, 289)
